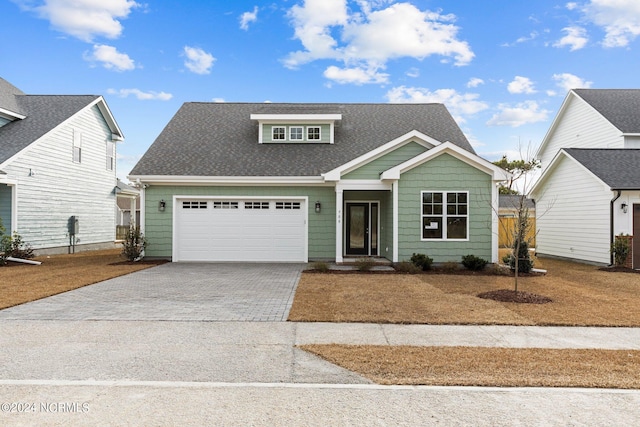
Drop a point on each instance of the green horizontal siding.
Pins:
(373, 169)
(159, 225)
(444, 173)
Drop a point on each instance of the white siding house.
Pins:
(58, 162)
(589, 191)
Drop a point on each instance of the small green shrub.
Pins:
(134, 244)
(507, 259)
(407, 267)
(474, 263)
(364, 264)
(620, 249)
(524, 261)
(17, 248)
(5, 243)
(449, 266)
(320, 266)
(422, 261)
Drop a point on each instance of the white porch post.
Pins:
(495, 230)
(132, 216)
(143, 207)
(339, 204)
(394, 193)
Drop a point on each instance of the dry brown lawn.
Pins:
(582, 296)
(20, 283)
(480, 366)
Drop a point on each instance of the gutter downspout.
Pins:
(611, 235)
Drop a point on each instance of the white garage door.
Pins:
(240, 230)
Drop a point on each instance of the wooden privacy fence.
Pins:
(505, 233)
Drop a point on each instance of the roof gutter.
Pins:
(611, 235)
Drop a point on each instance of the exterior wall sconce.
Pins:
(318, 206)
(624, 207)
(162, 205)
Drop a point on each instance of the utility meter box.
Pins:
(74, 225)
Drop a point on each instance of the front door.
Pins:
(636, 237)
(362, 228)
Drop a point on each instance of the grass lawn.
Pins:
(582, 296)
(20, 283)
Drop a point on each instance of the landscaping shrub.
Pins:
(525, 264)
(407, 267)
(5, 242)
(320, 266)
(364, 264)
(18, 248)
(134, 244)
(620, 249)
(422, 261)
(474, 263)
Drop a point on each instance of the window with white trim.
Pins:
(295, 133)
(287, 205)
(256, 205)
(278, 133)
(110, 155)
(313, 133)
(445, 215)
(218, 204)
(194, 205)
(77, 146)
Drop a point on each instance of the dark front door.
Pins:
(636, 237)
(361, 229)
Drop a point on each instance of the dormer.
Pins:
(296, 128)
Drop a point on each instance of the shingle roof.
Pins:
(44, 113)
(219, 139)
(618, 168)
(620, 106)
(512, 201)
(8, 94)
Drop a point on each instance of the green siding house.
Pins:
(304, 182)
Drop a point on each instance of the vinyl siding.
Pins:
(444, 173)
(5, 207)
(580, 127)
(573, 214)
(61, 188)
(322, 228)
(373, 169)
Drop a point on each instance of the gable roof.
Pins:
(617, 168)
(39, 114)
(220, 139)
(621, 107)
(511, 201)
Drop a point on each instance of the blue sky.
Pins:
(502, 67)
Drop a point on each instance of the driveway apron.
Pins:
(177, 292)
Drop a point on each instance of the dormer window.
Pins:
(296, 128)
(295, 133)
(278, 133)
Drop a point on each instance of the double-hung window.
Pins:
(445, 215)
(295, 133)
(278, 133)
(313, 133)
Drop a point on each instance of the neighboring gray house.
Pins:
(299, 182)
(589, 190)
(57, 160)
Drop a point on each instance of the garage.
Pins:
(239, 229)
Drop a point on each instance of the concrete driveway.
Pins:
(177, 292)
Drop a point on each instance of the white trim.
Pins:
(444, 216)
(363, 184)
(497, 174)
(413, 136)
(306, 130)
(495, 229)
(174, 236)
(339, 234)
(274, 118)
(11, 114)
(143, 209)
(302, 138)
(229, 180)
(396, 188)
(273, 133)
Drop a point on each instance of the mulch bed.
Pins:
(619, 270)
(142, 262)
(508, 295)
(458, 272)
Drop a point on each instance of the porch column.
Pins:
(339, 204)
(132, 215)
(394, 194)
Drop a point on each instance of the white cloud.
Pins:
(83, 19)
(143, 96)
(372, 35)
(521, 114)
(620, 20)
(413, 72)
(521, 85)
(459, 104)
(475, 82)
(198, 61)
(248, 17)
(110, 58)
(576, 38)
(568, 81)
(533, 35)
(572, 5)
(355, 75)
(218, 100)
